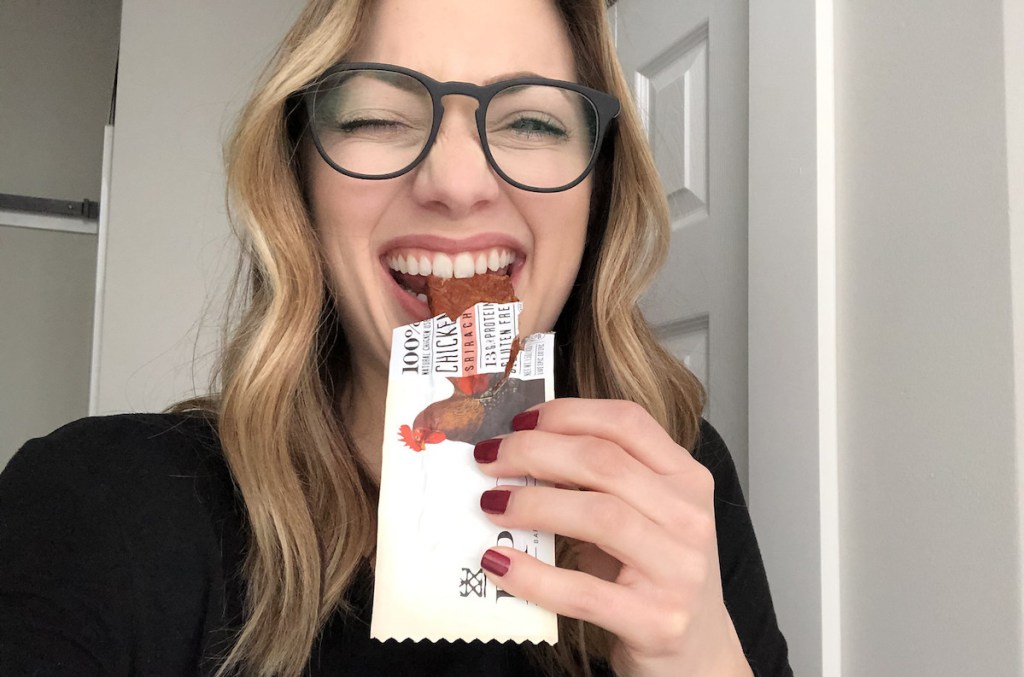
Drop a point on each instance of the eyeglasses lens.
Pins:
(372, 122)
(541, 136)
(375, 123)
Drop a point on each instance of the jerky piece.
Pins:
(452, 295)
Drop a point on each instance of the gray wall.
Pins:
(56, 74)
(46, 299)
(929, 493)
(186, 68)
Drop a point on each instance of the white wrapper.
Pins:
(431, 531)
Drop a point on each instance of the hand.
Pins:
(649, 560)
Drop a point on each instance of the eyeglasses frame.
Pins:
(605, 105)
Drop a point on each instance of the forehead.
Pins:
(469, 40)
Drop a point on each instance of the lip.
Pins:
(448, 245)
(413, 307)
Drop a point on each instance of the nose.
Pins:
(455, 177)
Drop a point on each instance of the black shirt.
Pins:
(121, 539)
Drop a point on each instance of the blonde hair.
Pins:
(310, 504)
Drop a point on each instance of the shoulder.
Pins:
(713, 453)
(129, 466)
(137, 471)
(710, 449)
(145, 482)
(126, 452)
(124, 435)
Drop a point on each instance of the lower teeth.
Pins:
(419, 297)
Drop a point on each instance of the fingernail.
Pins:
(526, 420)
(494, 501)
(486, 451)
(496, 563)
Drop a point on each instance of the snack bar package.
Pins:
(447, 391)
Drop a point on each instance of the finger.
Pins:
(571, 593)
(624, 423)
(570, 461)
(595, 517)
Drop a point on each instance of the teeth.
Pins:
(464, 266)
(461, 265)
(442, 265)
(422, 297)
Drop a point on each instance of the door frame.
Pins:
(792, 322)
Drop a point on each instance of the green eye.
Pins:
(531, 126)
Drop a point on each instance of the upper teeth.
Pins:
(463, 264)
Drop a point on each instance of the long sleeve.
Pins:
(744, 581)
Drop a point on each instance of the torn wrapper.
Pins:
(446, 392)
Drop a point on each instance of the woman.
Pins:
(235, 535)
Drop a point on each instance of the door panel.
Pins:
(687, 64)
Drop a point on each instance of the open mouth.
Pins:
(411, 267)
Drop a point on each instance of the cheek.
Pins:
(570, 228)
(345, 214)
(339, 211)
(560, 233)
(345, 211)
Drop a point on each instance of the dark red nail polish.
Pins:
(494, 501)
(486, 451)
(496, 563)
(526, 420)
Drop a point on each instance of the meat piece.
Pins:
(452, 295)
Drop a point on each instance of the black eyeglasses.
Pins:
(378, 121)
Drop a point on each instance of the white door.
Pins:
(687, 62)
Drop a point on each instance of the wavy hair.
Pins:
(310, 503)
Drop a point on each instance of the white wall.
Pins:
(929, 490)
(1013, 50)
(186, 68)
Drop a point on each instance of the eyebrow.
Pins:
(512, 76)
(403, 84)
